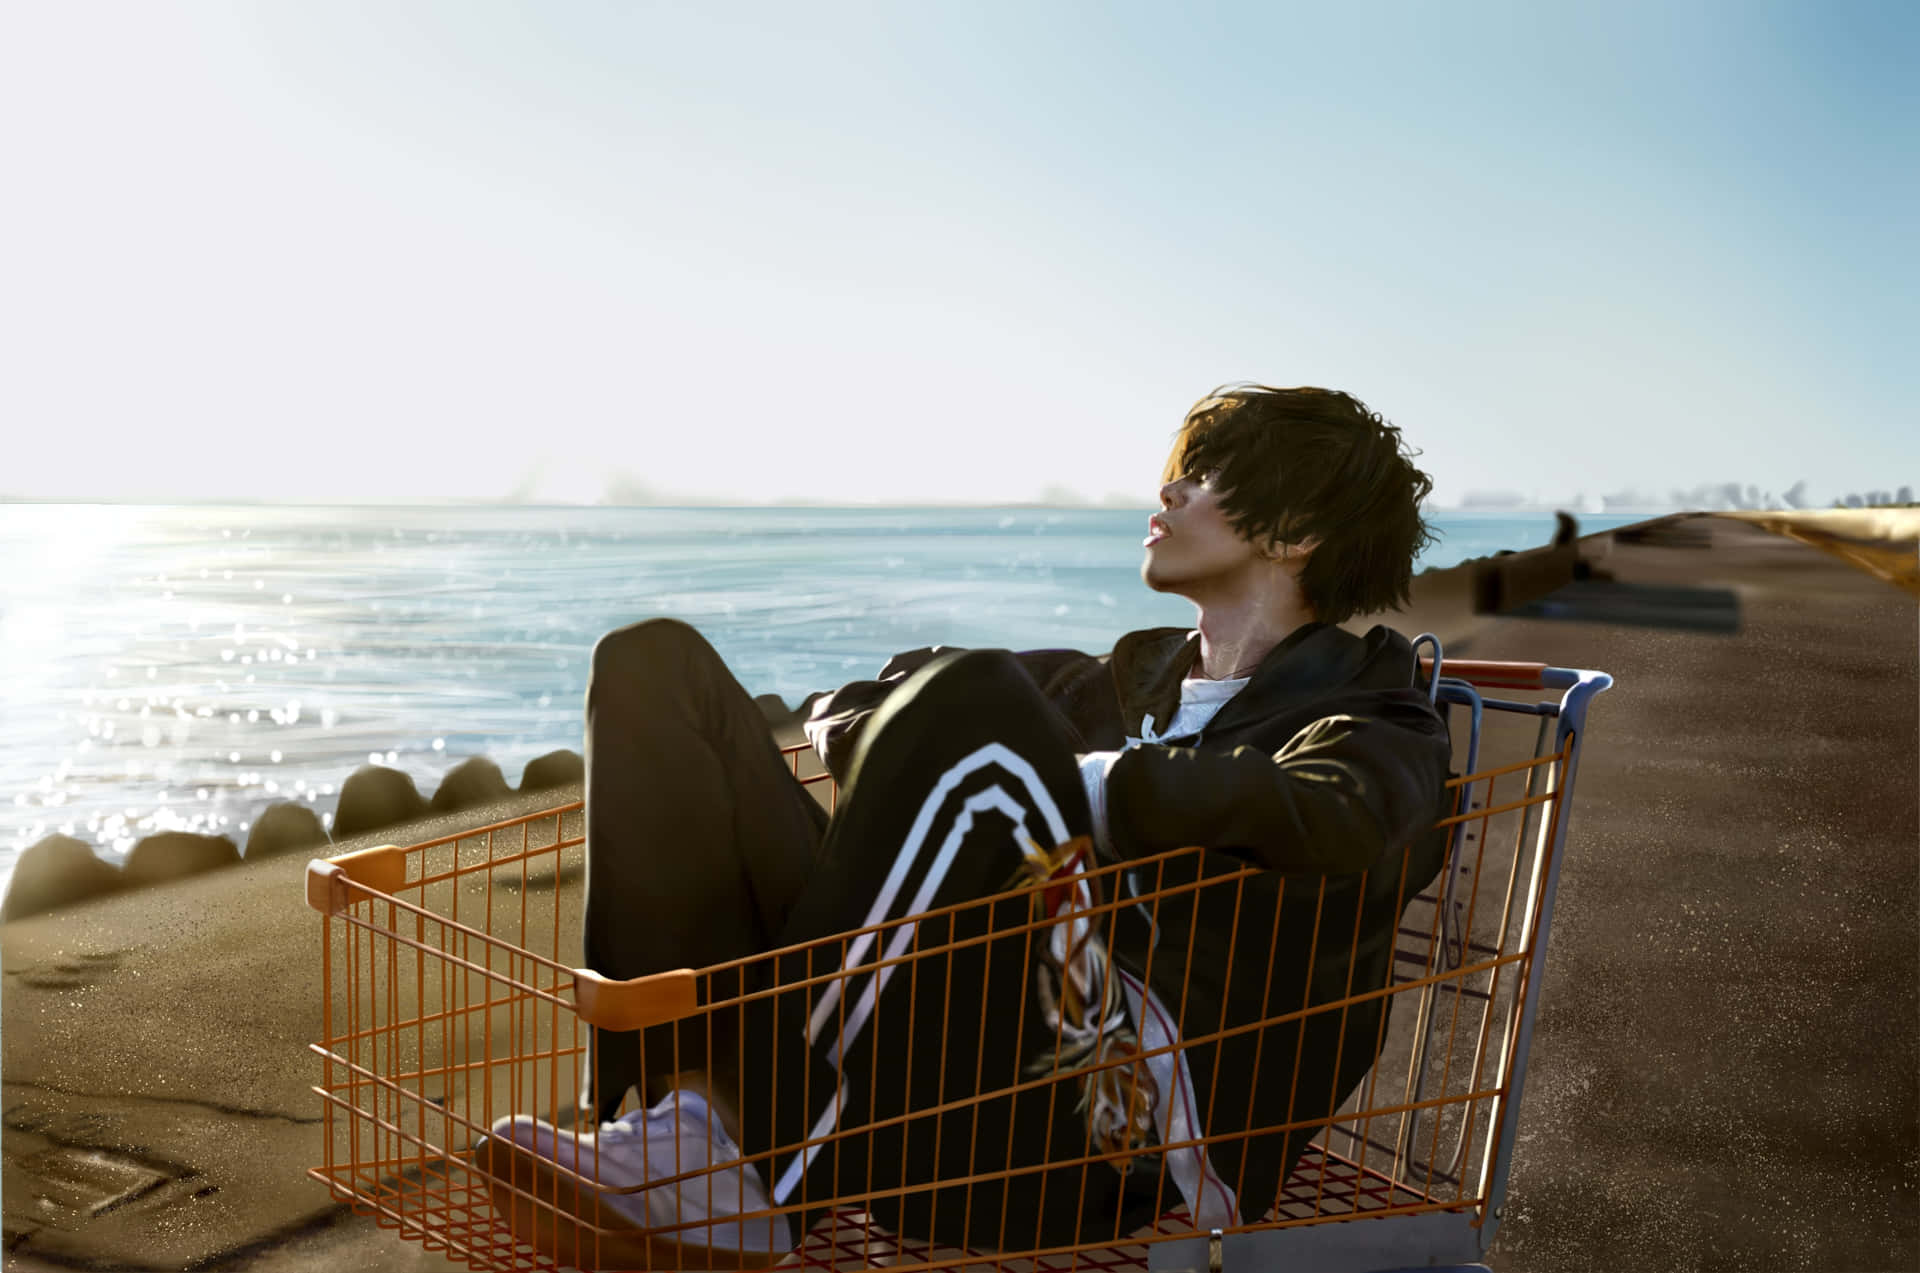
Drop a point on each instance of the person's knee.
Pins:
(972, 678)
(647, 646)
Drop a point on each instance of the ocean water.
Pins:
(181, 668)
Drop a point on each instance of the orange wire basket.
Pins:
(453, 1005)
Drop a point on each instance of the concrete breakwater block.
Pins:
(375, 796)
(474, 781)
(172, 855)
(57, 871)
(555, 769)
(286, 827)
(774, 708)
(60, 870)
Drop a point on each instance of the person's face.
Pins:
(1191, 546)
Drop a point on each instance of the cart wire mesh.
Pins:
(454, 1004)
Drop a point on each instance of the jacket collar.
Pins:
(1314, 660)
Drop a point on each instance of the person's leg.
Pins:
(698, 835)
(964, 766)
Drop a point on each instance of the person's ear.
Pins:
(1299, 550)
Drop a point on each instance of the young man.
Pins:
(1304, 762)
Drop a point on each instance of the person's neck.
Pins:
(1236, 636)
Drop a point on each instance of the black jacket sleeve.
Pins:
(1334, 800)
(1078, 684)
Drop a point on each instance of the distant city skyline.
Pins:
(624, 492)
(466, 249)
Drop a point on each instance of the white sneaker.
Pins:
(640, 1147)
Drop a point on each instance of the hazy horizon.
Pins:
(669, 501)
(1474, 503)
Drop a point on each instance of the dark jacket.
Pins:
(1328, 770)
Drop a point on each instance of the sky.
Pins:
(891, 253)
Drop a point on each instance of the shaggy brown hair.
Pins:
(1294, 464)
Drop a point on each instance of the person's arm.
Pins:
(1340, 794)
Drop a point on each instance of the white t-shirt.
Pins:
(1200, 701)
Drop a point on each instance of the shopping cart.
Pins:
(450, 1010)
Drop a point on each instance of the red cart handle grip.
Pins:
(1491, 674)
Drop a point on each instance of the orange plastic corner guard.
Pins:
(382, 868)
(636, 1004)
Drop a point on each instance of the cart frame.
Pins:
(411, 1079)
